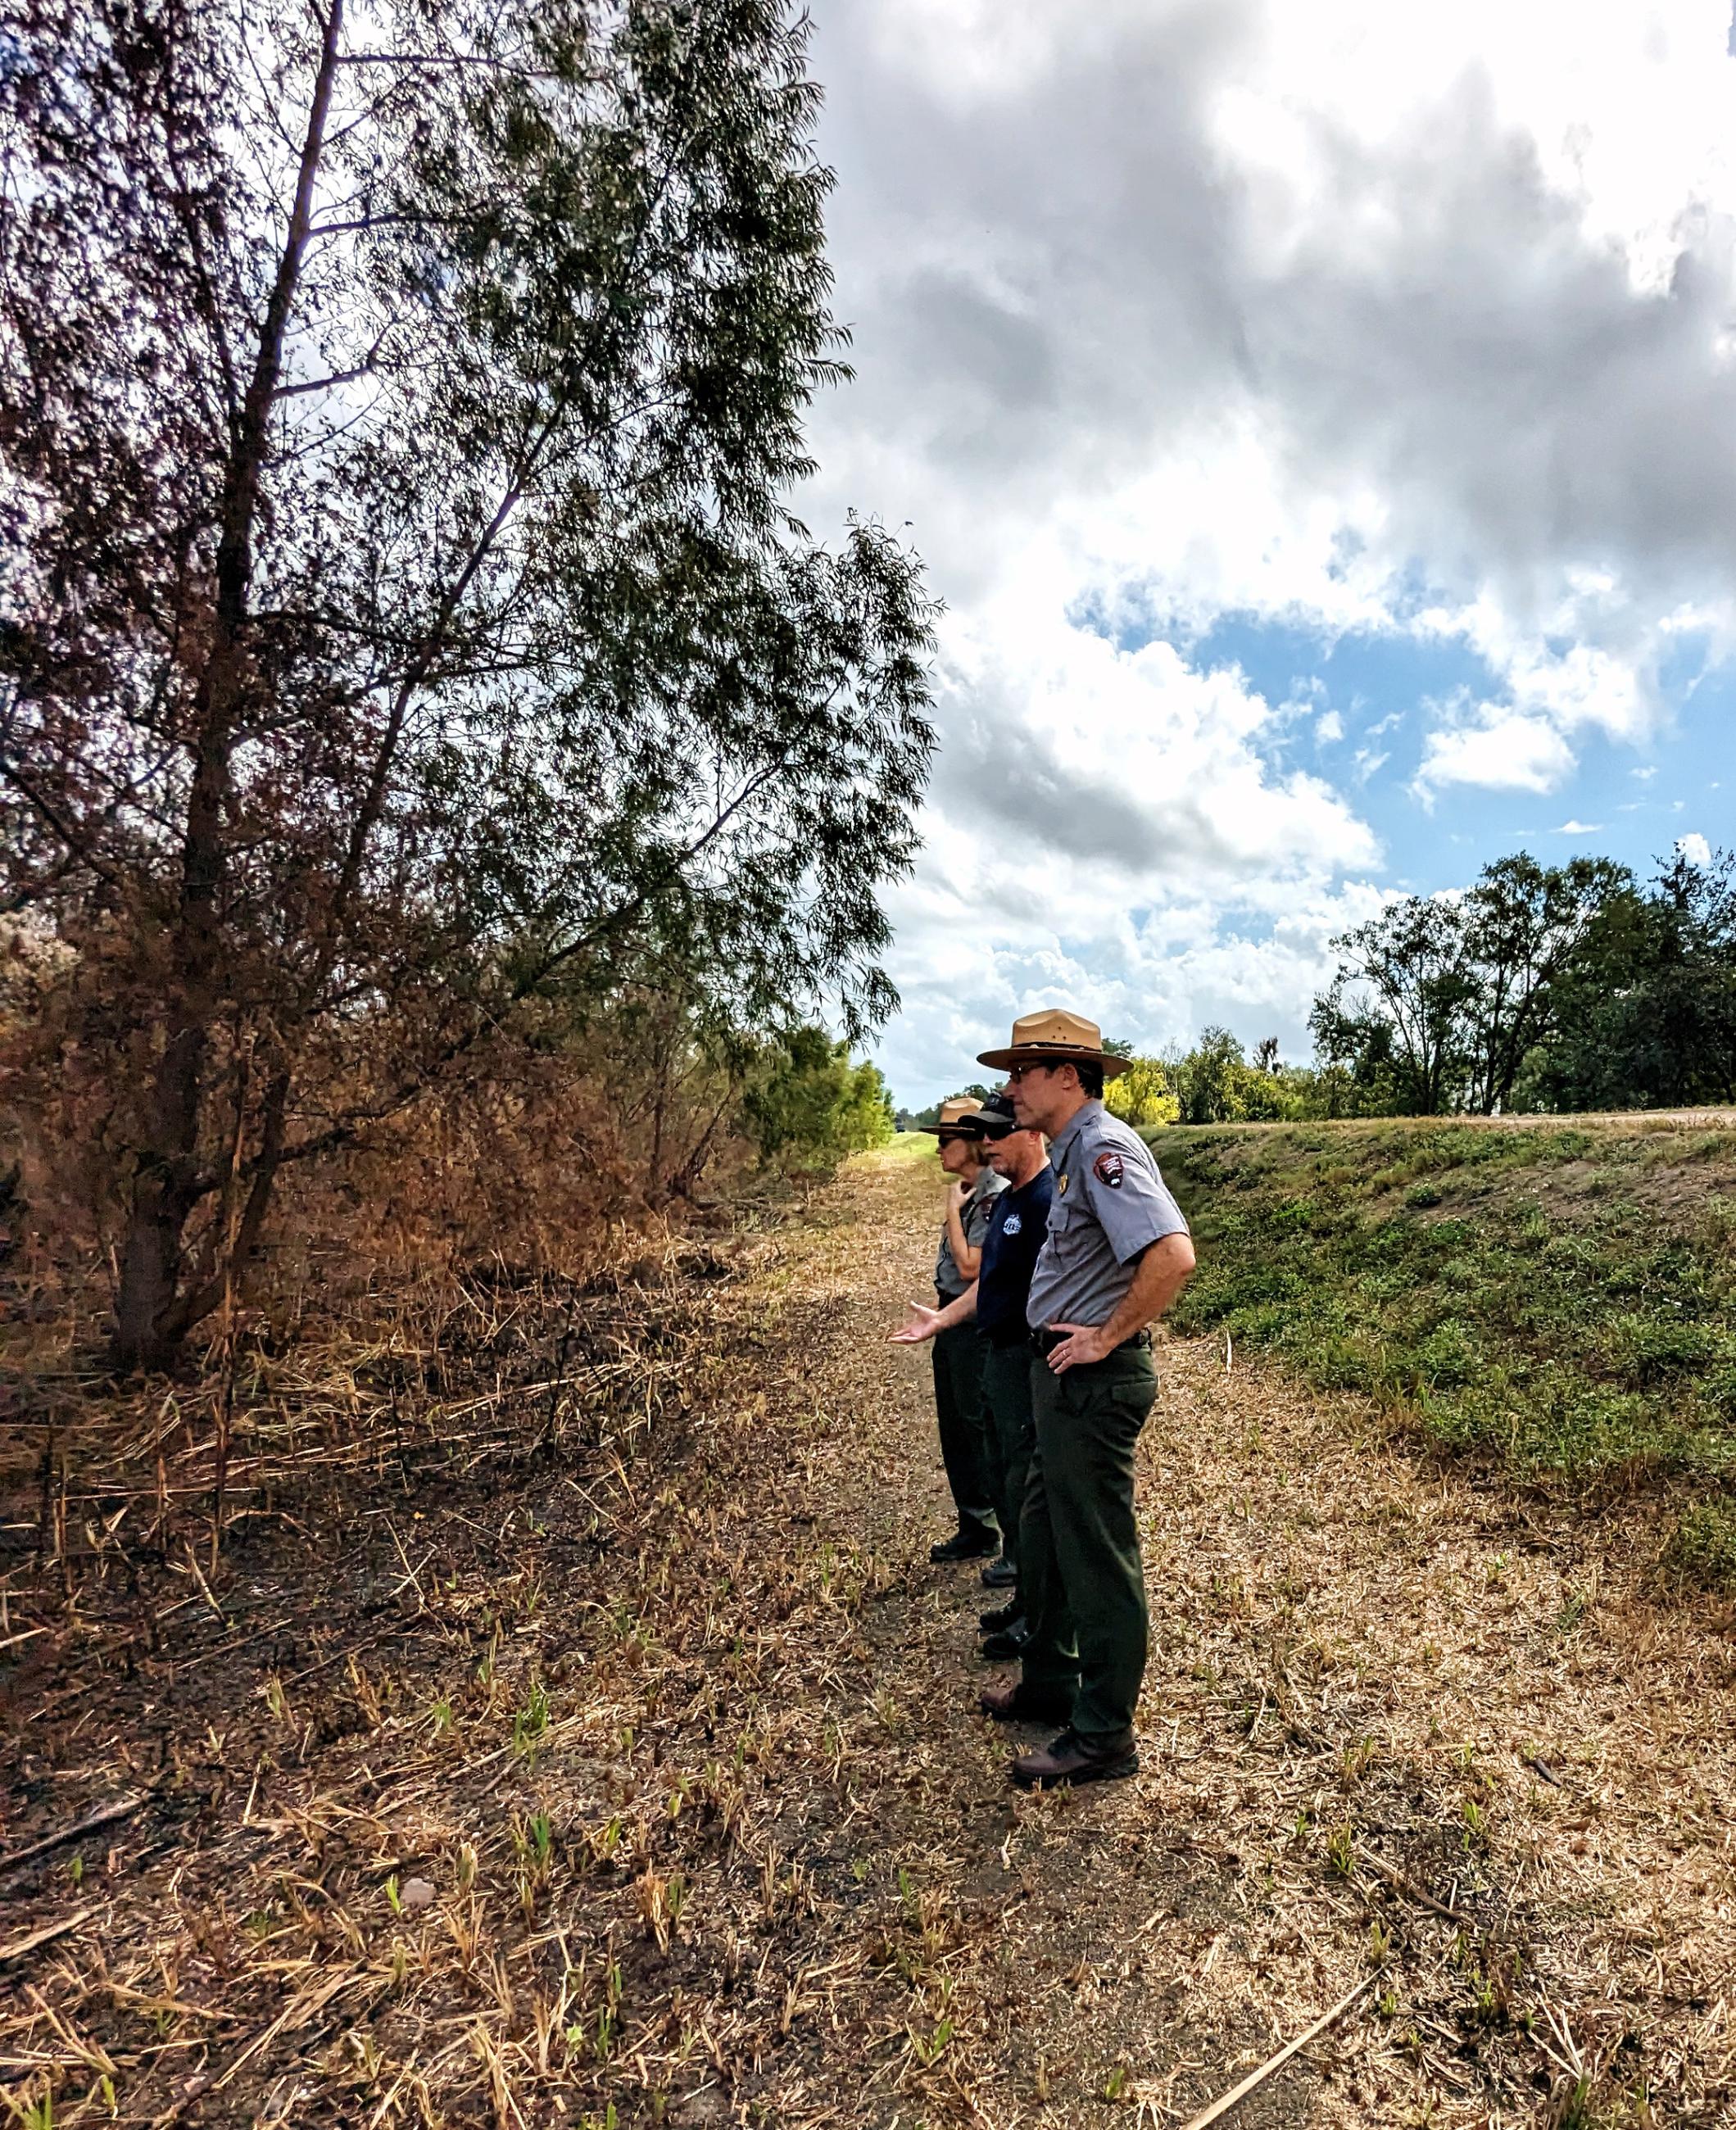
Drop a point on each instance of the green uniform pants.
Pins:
(1080, 1572)
(963, 1424)
(1006, 1392)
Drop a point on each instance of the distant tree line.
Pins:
(1552, 988)
(1542, 987)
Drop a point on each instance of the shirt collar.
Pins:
(1059, 1147)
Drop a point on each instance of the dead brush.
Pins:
(704, 1741)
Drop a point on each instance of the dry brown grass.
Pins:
(601, 1738)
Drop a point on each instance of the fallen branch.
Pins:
(105, 1816)
(1408, 1887)
(1237, 2093)
(46, 1936)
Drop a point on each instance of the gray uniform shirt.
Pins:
(974, 1218)
(1110, 1203)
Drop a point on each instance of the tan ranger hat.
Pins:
(958, 1115)
(1057, 1038)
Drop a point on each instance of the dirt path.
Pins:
(1377, 1691)
(677, 1743)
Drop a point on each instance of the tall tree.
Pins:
(1524, 926)
(1647, 1015)
(1406, 993)
(401, 610)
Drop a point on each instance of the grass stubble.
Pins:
(606, 1754)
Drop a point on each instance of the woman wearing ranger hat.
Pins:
(1116, 1256)
(958, 1354)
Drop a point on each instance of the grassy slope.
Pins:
(1556, 1295)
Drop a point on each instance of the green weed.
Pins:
(1542, 1323)
(530, 1722)
(1702, 1549)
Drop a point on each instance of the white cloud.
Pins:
(1578, 829)
(1502, 749)
(1695, 849)
(1348, 317)
(1128, 768)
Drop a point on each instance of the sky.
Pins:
(1320, 422)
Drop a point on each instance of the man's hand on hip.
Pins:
(1082, 1344)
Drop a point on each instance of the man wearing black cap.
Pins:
(1115, 1255)
(1017, 1220)
(958, 1408)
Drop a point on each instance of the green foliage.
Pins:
(451, 366)
(809, 1105)
(1646, 1017)
(1214, 1084)
(1550, 1297)
(1560, 987)
(1142, 1096)
(1702, 1549)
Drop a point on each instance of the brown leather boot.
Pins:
(1015, 1702)
(1071, 1759)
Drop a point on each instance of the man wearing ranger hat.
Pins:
(957, 1354)
(1115, 1255)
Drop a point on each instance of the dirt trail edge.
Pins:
(643, 1784)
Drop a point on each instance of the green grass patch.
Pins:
(1702, 1549)
(1558, 1298)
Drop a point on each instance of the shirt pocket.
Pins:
(1061, 1217)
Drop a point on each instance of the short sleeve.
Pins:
(1130, 1199)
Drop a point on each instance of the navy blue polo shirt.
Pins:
(1018, 1220)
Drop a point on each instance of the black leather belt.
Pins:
(1045, 1342)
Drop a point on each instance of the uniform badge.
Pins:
(1012, 1224)
(1108, 1168)
(1060, 1185)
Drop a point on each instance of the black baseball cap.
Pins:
(996, 1117)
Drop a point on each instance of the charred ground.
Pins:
(571, 1724)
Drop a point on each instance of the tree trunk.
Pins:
(150, 1320)
(150, 1274)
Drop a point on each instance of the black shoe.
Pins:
(1002, 1616)
(1071, 1759)
(1016, 1703)
(999, 1574)
(972, 1542)
(1003, 1647)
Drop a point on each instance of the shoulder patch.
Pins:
(1108, 1168)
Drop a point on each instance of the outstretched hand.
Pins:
(919, 1323)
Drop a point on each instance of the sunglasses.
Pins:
(1016, 1073)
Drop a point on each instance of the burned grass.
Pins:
(608, 1755)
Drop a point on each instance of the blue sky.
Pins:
(1321, 424)
(1377, 695)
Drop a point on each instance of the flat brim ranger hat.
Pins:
(1054, 1037)
(958, 1119)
